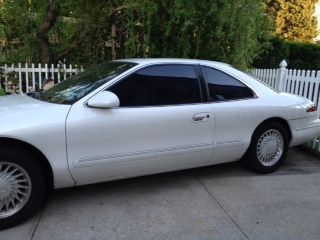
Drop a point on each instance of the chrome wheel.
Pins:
(15, 188)
(270, 147)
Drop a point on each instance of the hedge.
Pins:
(298, 55)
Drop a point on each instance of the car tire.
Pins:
(268, 148)
(22, 186)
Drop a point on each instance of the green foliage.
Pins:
(294, 20)
(298, 55)
(2, 92)
(79, 34)
(233, 31)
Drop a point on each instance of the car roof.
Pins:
(171, 60)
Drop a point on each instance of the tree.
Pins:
(294, 20)
(26, 25)
(50, 18)
(86, 32)
(233, 31)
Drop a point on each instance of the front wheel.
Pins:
(268, 148)
(22, 186)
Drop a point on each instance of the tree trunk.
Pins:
(52, 12)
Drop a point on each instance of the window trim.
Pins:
(235, 78)
(202, 99)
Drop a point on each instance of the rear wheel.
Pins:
(268, 148)
(22, 186)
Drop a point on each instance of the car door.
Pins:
(162, 124)
(233, 104)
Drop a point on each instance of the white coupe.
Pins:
(136, 117)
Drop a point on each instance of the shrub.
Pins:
(298, 55)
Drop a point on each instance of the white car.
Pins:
(136, 117)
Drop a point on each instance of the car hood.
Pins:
(20, 103)
(21, 112)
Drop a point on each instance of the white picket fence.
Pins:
(30, 77)
(305, 83)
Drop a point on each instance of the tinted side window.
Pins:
(224, 87)
(159, 85)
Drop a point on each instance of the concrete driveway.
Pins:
(218, 202)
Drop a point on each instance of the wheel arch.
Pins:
(279, 120)
(250, 160)
(41, 158)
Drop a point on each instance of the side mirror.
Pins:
(104, 99)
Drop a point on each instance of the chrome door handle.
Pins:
(200, 117)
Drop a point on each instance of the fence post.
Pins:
(280, 85)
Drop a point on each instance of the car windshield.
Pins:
(77, 86)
